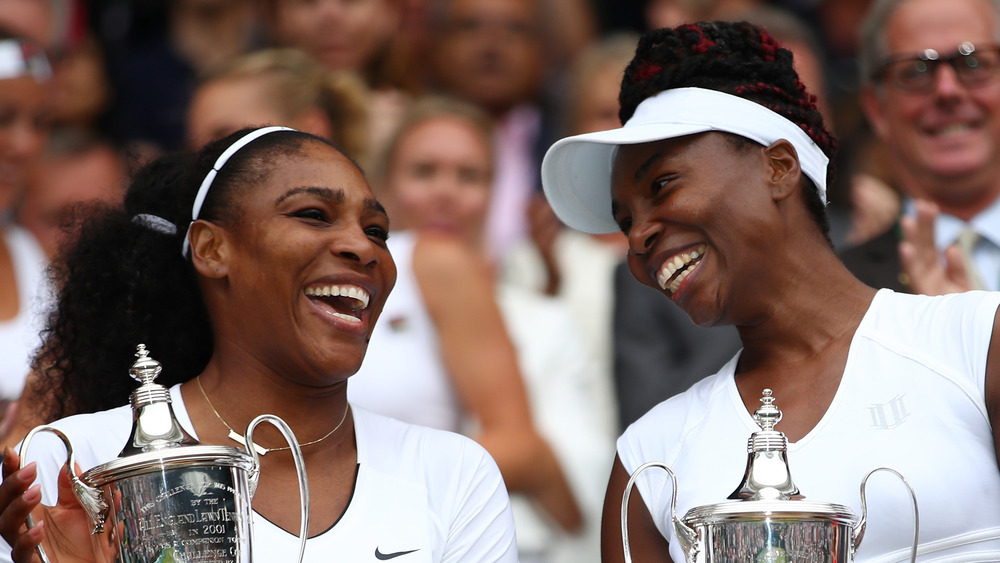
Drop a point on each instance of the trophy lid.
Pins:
(767, 475)
(767, 489)
(157, 439)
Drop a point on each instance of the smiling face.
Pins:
(439, 177)
(695, 214)
(306, 266)
(23, 129)
(945, 140)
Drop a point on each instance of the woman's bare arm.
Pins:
(645, 541)
(482, 363)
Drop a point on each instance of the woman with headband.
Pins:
(24, 72)
(254, 271)
(718, 179)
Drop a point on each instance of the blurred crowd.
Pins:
(448, 106)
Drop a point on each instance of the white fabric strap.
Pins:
(718, 111)
(206, 184)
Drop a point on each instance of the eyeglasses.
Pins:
(973, 67)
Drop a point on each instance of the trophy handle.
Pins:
(860, 530)
(300, 470)
(90, 498)
(685, 534)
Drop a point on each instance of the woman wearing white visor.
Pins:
(718, 178)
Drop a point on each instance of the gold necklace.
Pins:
(241, 439)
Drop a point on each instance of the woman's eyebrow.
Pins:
(644, 168)
(334, 195)
(374, 205)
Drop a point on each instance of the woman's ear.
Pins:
(783, 169)
(209, 249)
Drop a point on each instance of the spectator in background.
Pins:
(77, 169)
(24, 76)
(281, 87)
(574, 267)
(459, 353)
(209, 33)
(79, 91)
(492, 53)
(362, 36)
(932, 93)
(355, 36)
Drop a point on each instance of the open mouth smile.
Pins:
(677, 268)
(346, 302)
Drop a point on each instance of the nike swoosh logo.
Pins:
(386, 556)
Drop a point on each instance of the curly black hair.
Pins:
(123, 282)
(736, 58)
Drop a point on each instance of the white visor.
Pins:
(576, 171)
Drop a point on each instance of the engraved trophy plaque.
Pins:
(766, 519)
(167, 498)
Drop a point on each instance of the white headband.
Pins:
(206, 184)
(576, 171)
(20, 58)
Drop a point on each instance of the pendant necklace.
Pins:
(239, 438)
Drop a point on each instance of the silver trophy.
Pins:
(766, 519)
(167, 498)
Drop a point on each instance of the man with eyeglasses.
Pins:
(931, 92)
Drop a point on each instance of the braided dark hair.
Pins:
(122, 283)
(736, 58)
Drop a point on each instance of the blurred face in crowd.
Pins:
(59, 184)
(438, 178)
(490, 52)
(597, 104)
(941, 121)
(346, 34)
(223, 106)
(24, 126)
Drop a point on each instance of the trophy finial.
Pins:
(145, 369)
(767, 475)
(154, 425)
(767, 415)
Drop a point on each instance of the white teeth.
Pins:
(346, 317)
(349, 291)
(666, 279)
(953, 129)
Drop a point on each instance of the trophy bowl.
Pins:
(168, 498)
(766, 519)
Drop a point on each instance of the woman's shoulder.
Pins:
(893, 303)
(667, 425)
(390, 444)
(908, 315)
